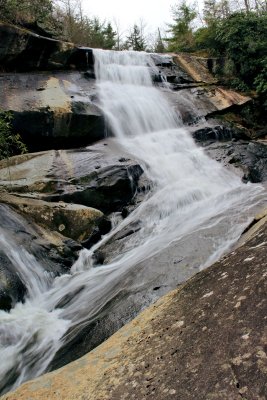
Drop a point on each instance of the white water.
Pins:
(190, 194)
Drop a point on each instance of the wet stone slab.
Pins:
(205, 340)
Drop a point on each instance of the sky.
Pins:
(154, 13)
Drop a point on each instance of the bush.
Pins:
(10, 143)
(242, 37)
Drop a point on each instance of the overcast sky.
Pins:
(155, 13)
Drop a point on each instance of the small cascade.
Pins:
(190, 194)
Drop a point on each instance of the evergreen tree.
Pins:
(182, 38)
(109, 37)
(23, 11)
(159, 47)
(135, 40)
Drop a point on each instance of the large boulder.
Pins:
(23, 242)
(231, 148)
(42, 185)
(52, 110)
(24, 50)
(72, 220)
(95, 176)
(197, 103)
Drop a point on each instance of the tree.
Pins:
(135, 40)
(119, 34)
(24, 11)
(10, 142)
(159, 46)
(182, 38)
(242, 38)
(109, 36)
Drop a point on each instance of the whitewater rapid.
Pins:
(189, 193)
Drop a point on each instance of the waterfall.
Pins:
(190, 193)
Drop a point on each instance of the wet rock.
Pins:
(23, 50)
(196, 103)
(215, 133)
(72, 220)
(12, 289)
(52, 251)
(71, 176)
(52, 110)
(104, 226)
(247, 158)
(108, 189)
(206, 337)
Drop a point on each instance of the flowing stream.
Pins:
(190, 193)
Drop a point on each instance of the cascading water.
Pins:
(190, 193)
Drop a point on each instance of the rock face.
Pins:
(60, 109)
(52, 110)
(72, 220)
(94, 177)
(54, 252)
(23, 50)
(232, 148)
(197, 103)
(197, 67)
(205, 339)
(40, 186)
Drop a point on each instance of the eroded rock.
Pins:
(95, 177)
(24, 50)
(72, 220)
(52, 110)
(54, 252)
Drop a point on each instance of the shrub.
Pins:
(10, 143)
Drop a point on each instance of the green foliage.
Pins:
(109, 37)
(182, 38)
(10, 143)
(24, 11)
(261, 79)
(64, 19)
(242, 38)
(205, 39)
(135, 41)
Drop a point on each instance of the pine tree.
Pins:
(159, 47)
(135, 41)
(109, 37)
(182, 38)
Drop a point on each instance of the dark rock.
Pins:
(109, 189)
(23, 50)
(52, 110)
(215, 133)
(55, 256)
(12, 289)
(102, 229)
(250, 158)
(70, 176)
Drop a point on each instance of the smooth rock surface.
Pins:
(52, 109)
(197, 103)
(205, 340)
(72, 220)
(54, 252)
(24, 50)
(246, 158)
(98, 176)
